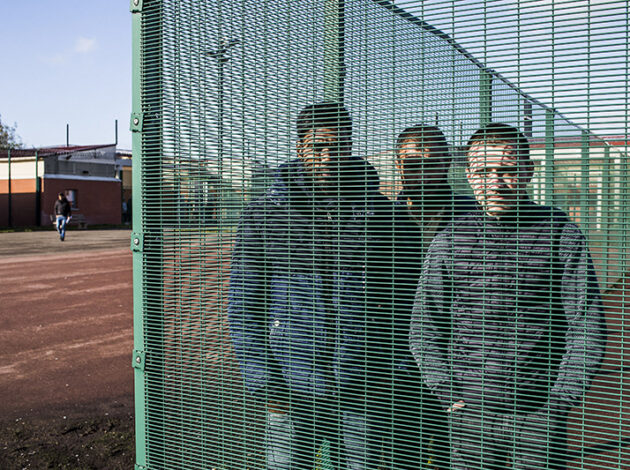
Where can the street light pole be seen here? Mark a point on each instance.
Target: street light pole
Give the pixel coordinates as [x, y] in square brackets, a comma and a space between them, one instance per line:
[221, 56]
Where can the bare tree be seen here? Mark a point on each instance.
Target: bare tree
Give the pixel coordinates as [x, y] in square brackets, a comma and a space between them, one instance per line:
[8, 137]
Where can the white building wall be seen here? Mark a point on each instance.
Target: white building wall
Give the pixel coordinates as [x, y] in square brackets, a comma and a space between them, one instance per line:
[23, 168]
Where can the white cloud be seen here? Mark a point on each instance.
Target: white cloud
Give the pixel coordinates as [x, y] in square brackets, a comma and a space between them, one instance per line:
[84, 45]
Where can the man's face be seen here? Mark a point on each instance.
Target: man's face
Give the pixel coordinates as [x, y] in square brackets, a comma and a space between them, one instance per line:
[497, 176]
[421, 168]
[320, 151]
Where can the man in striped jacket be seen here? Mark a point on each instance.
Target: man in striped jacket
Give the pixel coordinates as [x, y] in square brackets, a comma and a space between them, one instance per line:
[508, 326]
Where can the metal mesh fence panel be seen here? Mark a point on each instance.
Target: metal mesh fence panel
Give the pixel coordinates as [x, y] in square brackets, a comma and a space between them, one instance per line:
[380, 235]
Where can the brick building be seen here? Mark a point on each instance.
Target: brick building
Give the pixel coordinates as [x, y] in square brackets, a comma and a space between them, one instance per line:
[91, 176]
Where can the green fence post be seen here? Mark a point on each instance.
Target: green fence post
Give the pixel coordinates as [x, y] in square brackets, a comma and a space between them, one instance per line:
[10, 202]
[139, 355]
[334, 66]
[549, 190]
[485, 96]
[624, 224]
[605, 213]
[151, 223]
[38, 192]
[585, 182]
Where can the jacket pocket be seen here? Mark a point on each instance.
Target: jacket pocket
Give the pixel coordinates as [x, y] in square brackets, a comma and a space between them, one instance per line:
[277, 327]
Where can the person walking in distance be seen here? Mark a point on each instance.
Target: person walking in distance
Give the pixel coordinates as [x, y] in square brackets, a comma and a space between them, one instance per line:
[63, 213]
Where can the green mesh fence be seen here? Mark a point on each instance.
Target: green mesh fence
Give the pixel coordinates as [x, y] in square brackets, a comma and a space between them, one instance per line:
[360, 284]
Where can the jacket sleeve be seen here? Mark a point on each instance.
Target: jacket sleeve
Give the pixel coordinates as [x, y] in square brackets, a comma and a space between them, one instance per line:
[247, 303]
[406, 274]
[585, 330]
[430, 333]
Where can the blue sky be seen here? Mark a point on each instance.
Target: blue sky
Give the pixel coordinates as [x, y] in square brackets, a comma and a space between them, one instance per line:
[69, 61]
[568, 54]
[66, 61]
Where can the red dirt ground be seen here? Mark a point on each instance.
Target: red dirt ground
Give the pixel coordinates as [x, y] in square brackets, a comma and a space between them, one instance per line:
[66, 382]
[66, 338]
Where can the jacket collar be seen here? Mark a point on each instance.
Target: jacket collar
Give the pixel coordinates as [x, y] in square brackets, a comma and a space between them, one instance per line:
[359, 183]
[526, 213]
[446, 194]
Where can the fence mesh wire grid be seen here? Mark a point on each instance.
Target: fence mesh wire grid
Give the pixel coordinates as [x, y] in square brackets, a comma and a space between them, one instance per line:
[376, 234]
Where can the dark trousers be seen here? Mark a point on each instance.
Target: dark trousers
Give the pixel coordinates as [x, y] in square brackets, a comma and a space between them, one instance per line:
[488, 441]
[294, 439]
[420, 428]
[382, 434]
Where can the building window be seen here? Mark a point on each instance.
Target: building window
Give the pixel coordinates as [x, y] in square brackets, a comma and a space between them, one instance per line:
[72, 197]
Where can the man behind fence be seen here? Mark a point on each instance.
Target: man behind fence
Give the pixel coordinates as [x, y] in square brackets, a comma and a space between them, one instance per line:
[423, 160]
[311, 304]
[508, 327]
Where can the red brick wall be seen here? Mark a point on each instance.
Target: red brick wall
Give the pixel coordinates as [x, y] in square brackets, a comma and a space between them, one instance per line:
[99, 201]
[22, 202]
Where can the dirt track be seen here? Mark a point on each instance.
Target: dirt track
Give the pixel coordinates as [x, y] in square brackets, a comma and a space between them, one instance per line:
[65, 342]
[66, 338]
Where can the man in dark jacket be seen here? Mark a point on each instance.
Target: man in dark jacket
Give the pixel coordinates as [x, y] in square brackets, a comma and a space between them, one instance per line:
[423, 160]
[63, 212]
[508, 327]
[312, 303]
